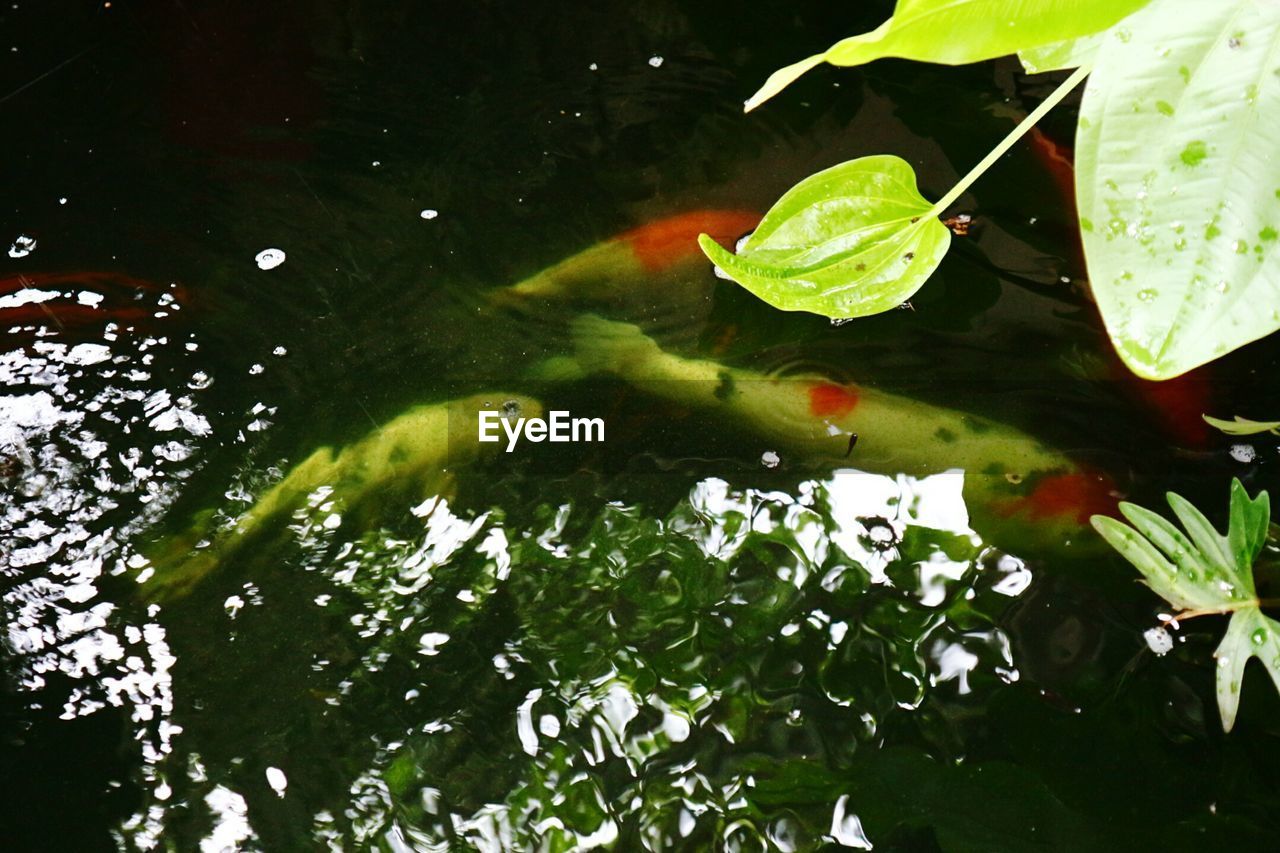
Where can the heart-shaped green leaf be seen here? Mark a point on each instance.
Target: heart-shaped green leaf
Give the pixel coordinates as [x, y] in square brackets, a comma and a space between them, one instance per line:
[1178, 185]
[853, 240]
[956, 32]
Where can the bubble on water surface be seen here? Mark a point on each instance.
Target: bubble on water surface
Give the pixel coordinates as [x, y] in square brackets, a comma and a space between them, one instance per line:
[277, 780]
[431, 642]
[22, 246]
[1158, 640]
[429, 213]
[1243, 453]
[655, 61]
[269, 259]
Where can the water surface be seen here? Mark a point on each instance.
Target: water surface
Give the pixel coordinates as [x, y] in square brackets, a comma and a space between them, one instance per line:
[656, 642]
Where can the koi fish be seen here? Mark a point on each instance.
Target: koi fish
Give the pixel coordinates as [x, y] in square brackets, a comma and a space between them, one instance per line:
[1057, 160]
[1012, 482]
[74, 302]
[657, 264]
[411, 457]
[1180, 401]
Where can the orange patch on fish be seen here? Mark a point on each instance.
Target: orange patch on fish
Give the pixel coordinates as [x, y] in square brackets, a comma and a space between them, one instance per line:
[1073, 496]
[1057, 161]
[67, 301]
[662, 244]
[1181, 401]
[830, 400]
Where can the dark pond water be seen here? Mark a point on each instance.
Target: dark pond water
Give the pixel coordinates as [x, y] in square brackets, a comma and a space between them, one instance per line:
[706, 632]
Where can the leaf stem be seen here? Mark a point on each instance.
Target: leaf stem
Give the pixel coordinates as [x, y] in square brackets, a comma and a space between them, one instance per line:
[1005, 144]
[1221, 611]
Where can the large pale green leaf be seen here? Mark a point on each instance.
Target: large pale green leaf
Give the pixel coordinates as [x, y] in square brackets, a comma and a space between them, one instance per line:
[1204, 572]
[1178, 181]
[955, 32]
[852, 240]
[1058, 56]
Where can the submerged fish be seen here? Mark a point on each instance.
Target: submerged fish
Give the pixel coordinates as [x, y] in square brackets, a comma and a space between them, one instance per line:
[1178, 402]
[404, 462]
[654, 274]
[33, 304]
[1013, 483]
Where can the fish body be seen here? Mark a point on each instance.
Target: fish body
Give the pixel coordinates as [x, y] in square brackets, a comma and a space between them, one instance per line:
[654, 274]
[1012, 481]
[410, 458]
[71, 303]
[1179, 401]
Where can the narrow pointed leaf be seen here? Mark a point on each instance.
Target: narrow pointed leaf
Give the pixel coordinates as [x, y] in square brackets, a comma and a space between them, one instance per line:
[1158, 572]
[1242, 426]
[1168, 538]
[1247, 530]
[779, 80]
[1249, 634]
[1212, 545]
[853, 240]
[1178, 184]
[956, 32]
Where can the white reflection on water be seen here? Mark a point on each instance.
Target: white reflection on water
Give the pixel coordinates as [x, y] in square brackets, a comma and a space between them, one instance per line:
[92, 452]
[578, 728]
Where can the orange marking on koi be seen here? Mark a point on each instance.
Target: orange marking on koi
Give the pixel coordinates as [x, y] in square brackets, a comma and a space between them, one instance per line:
[63, 300]
[662, 244]
[1075, 496]
[1057, 161]
[830, 400]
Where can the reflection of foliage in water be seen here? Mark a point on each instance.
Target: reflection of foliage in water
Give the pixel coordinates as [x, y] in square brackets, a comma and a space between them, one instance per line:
[597, 673]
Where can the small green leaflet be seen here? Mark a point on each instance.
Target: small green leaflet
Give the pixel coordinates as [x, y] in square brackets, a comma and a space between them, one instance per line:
[853, 240]
[1203, 572]
[1178, 185]
[1243, 426]
[956, 32]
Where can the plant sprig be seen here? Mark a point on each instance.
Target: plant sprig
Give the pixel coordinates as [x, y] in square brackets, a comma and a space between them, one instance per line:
[1201, 572]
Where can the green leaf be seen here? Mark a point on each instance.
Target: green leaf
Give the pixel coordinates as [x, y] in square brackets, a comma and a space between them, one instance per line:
[1209, 573]
[1243, 426]
[956, 32]
[1249, 634]
[1178, 193]
[852, 240]
[1184, 590]
[1247, 528]
[1072, 53]
[1187, 560]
